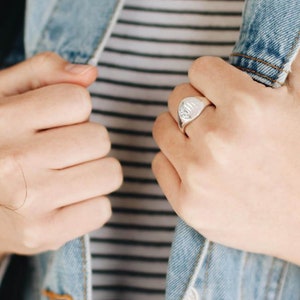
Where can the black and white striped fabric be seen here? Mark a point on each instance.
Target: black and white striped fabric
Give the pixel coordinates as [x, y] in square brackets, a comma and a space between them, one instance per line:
[149, 52]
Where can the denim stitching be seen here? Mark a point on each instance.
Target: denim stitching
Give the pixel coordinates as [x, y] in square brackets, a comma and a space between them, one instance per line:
[259, 74]
[208, 262]
[244, 262]
[83, 255]
[269, 279]
[293, 47]
[282, 277]
[94, 57]
[199, 263]
[289, 58]
[259, 60]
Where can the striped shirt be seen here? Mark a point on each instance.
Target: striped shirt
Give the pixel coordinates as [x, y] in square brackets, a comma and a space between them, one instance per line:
[149, 52]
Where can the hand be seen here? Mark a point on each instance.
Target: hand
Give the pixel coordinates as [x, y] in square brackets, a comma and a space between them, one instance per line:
[53, 171]
[235, 176]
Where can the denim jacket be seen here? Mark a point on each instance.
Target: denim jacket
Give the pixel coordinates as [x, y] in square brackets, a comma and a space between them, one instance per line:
[198, 269]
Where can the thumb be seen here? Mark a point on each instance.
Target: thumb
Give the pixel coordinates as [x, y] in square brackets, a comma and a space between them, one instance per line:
[293, 80]
[41, 70]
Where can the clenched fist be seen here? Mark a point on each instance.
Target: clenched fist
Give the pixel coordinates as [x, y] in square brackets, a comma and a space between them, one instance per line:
[54, 173]
[235, 175]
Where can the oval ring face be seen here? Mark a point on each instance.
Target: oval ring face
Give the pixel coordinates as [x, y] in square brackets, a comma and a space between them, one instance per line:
[189, 109]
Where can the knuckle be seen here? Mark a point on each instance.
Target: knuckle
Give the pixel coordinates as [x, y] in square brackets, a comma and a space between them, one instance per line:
[159, 127]
[105, 134]
[159, 124]
[80, 100]
[102, 136]
[83, 98]
[179, 89]
[202, 65]
[116, 170]
[156, 162]
[103, 206]
[46, 56]
[106, 210]
[44, 62]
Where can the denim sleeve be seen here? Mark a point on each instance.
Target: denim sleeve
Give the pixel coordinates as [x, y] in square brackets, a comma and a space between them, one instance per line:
[198, 268]
[269, 40]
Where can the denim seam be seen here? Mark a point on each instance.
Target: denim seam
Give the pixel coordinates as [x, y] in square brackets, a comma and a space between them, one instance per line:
[268, 283]
[289, 58]
[244, 262]
[94, 58]
[295, 44]
[259, 60]
[199, 263]
[282, 280]
[258, 74]
[83, 255]
[207, 267]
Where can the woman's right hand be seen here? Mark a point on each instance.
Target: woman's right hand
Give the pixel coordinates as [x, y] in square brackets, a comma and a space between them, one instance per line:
[54, 173]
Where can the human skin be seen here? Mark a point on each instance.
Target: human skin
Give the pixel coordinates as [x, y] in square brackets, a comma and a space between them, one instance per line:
[234, 176]
[54, 169]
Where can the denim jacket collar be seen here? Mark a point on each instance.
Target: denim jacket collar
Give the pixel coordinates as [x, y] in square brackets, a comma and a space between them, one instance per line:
[77, 30]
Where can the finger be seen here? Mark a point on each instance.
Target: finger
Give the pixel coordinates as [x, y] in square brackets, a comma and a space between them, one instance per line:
[220, 82]
[167, 177]
[67, 146]
[41, 70]
[76, 220]
[86, 181]
[47, 107]
[170, 140]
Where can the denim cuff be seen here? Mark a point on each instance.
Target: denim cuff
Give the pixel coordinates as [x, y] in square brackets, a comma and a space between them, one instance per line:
[269, 40]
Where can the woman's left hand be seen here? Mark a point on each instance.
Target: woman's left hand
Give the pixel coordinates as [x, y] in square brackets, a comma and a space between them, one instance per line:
[235, 175]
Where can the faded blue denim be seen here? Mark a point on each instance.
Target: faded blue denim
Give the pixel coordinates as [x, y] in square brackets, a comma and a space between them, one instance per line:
[269, 41]
[267, 46]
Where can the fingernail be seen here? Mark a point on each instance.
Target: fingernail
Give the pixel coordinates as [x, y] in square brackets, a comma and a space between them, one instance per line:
[78, 68]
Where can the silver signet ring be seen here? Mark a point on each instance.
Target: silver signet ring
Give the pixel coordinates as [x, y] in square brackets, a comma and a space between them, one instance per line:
[189, 109]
